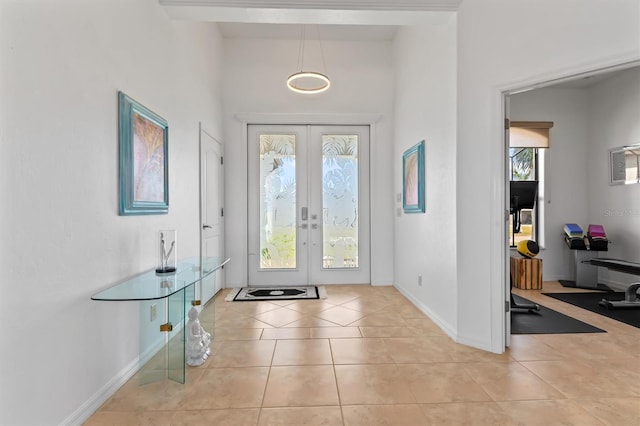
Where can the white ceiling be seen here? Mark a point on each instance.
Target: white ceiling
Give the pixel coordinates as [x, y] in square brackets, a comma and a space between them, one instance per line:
[355, 20]
[348, 20]
[293, 31]
[410, 5]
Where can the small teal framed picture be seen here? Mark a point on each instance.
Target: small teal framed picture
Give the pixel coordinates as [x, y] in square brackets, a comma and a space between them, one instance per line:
[413, 185]
[144, 159]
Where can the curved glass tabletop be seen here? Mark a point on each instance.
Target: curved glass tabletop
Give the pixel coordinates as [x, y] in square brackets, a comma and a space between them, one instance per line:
[150, 286]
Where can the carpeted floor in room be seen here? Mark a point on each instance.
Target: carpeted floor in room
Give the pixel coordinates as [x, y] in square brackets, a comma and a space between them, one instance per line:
[367, 356]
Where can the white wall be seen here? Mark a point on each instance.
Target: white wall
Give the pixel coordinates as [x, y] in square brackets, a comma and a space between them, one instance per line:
[614, 120]
[566, 171]
[254, 75]
[424, 109]
[62, 239]
[504, 44]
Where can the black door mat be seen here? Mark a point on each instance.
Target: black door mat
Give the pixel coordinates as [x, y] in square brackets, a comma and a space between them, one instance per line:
[589, 301]
[572, 284]
[546, 321]
[247, 294]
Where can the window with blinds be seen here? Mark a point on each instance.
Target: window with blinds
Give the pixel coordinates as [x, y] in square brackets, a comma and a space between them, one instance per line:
[527, 141]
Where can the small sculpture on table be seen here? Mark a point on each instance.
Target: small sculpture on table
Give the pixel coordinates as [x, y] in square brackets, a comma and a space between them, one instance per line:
[166, 256]
[198, 340]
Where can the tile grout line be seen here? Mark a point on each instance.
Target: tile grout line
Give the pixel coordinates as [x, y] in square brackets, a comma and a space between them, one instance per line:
[266, 383]
[335, 377]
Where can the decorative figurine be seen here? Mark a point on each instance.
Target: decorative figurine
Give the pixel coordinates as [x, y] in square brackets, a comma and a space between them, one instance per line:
[166, 262]
[198, 340]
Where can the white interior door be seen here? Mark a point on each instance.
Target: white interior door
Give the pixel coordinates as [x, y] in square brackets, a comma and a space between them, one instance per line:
[507, 251]
[211, 209]
[308, 205]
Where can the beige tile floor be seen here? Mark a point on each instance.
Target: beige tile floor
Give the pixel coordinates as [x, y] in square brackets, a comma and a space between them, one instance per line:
[367, 356]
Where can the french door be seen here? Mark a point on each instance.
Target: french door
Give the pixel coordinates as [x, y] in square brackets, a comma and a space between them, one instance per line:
[308, 205]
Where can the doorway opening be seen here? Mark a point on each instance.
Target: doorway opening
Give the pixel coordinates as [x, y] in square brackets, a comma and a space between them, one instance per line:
[308, 199]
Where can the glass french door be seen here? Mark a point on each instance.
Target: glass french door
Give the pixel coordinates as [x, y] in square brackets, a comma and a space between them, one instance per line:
[308, 205]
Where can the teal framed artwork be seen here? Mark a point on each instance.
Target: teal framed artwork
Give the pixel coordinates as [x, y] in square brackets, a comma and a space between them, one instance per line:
[413, 185]
[144, 159]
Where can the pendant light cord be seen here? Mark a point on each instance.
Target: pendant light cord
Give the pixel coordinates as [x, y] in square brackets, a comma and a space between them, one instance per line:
[324, 64]
[301, 74]
[303, 34]
[301, 48]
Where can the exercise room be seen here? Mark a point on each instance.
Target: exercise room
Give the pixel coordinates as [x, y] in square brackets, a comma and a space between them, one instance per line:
[586, 219]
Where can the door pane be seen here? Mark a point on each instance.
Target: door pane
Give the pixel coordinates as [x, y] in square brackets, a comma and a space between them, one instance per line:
[277, 201]
[339, 201]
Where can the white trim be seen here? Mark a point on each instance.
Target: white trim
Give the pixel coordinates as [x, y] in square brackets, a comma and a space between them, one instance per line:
[616, 285]
[219, 276]
[444, 325]
[232, 294]
[473, 342]
[322, 292]
[581, 71]
[497, 237]
[91, 405]
[307, 118]
[556, 277]
[381, 284]
[244, 213]
[382, 5]
[337, 12]
[257, 118]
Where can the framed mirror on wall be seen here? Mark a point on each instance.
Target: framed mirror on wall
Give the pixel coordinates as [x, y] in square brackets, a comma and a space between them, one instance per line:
[624, 165]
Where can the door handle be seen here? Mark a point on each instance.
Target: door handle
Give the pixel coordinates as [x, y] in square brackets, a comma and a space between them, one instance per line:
[207, 226]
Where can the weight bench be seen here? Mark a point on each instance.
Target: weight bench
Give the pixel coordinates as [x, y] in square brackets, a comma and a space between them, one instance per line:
[630, 297]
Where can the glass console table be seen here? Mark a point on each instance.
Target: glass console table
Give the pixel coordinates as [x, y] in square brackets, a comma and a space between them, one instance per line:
[180, 290]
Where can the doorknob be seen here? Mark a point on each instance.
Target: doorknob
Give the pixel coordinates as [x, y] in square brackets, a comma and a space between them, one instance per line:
[207, 226]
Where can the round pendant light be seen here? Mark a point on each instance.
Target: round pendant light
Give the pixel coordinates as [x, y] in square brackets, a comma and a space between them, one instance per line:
[308, 82]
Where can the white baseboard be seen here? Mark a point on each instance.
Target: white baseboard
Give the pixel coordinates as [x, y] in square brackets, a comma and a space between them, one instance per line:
[86, 410]
[554, 278]
[89, 407]
[232, 294]
[82, 413]
[444, 326]
[475, 343]
[616, 285]
[322, 292]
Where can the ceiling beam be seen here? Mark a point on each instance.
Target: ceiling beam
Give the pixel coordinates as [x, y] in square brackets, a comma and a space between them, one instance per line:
[348, 12]
[380, 5]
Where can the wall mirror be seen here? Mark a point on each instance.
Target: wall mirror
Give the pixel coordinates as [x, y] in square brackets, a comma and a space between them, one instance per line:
[624, 164]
